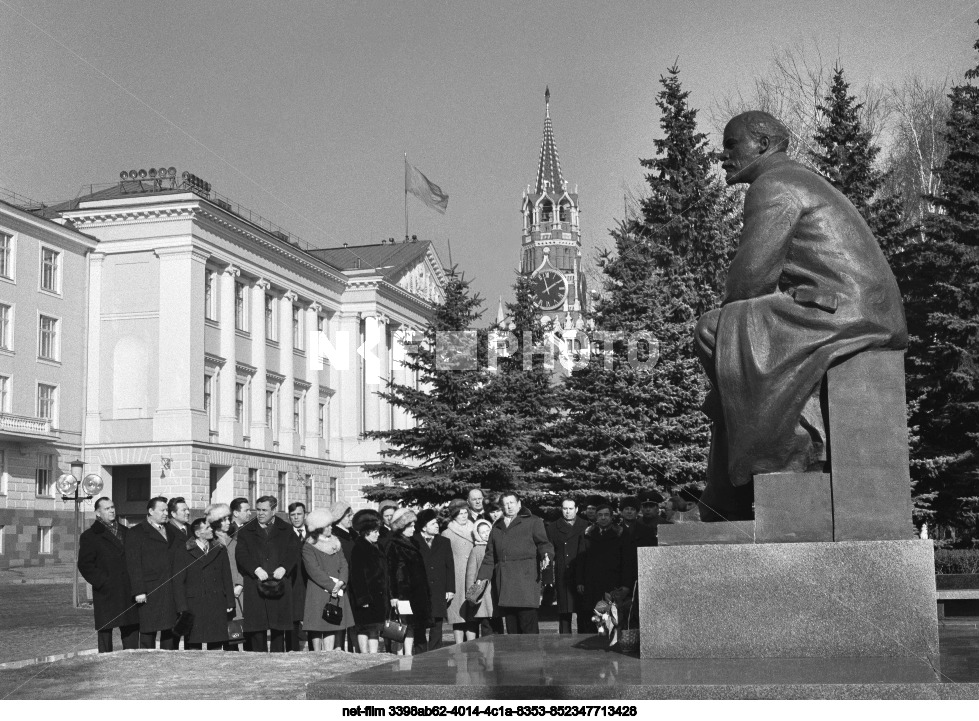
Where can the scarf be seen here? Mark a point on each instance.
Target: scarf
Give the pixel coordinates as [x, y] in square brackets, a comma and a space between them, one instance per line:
[327, 544]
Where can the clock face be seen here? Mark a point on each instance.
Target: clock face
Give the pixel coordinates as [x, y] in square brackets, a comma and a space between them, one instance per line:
[550, 289]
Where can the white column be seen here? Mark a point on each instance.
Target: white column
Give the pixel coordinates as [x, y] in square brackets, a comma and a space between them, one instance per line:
[313, 442]
[373, 330]
[95, 363]
[261, 436]
[180, 400]
[346, 405]
[399, 373]
[228, 375]
[287, 434]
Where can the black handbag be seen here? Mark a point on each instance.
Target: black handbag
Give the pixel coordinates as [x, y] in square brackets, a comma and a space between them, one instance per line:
[394, 630]
[236, 632]
[183, 624]
[271, 588]
[332, 613]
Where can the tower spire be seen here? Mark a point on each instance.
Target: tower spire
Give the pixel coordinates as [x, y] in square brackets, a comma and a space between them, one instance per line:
[549, 177]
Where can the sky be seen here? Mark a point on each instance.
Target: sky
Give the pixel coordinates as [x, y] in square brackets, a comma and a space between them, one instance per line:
[302, 111]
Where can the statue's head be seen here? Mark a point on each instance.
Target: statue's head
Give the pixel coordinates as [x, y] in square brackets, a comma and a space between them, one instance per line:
[749, 139]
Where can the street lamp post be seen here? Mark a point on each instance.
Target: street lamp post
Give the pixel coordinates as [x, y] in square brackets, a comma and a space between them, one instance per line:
[71, 483]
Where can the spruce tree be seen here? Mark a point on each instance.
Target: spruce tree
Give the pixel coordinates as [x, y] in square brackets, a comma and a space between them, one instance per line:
[942, 308]
[626, 429]
[445, 452]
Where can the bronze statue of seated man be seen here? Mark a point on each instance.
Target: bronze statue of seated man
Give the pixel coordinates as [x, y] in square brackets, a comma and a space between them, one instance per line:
[808, 286]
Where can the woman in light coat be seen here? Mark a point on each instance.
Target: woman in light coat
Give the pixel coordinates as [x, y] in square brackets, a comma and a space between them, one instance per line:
[482, 612]
[326, 569]
[459, 531]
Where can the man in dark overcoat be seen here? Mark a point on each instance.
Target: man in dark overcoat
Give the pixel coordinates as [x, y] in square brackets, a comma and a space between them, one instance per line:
[149, 562]
[607, 561]
[566, 534]
[807, 287]
[267, 553]
[517, 553]
[646, 531]
[202, 586]
[436, 553]
[297, 640]
[102, 563]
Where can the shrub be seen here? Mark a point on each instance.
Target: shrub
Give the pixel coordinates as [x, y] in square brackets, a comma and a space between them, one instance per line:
[956, 561]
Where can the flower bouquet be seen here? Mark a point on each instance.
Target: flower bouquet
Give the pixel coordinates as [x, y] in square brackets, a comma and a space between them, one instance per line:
[615, 618]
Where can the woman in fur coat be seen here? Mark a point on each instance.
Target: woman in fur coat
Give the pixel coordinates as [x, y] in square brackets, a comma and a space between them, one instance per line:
[407, 578]
[369, 591]
[482, 612]
[459, 531]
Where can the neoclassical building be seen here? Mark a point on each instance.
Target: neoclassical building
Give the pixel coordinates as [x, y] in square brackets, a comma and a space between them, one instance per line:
[226, 357]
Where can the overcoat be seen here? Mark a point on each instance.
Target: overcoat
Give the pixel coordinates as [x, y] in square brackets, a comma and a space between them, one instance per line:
[512, 560]
[568, 540]
[149, 560]
[236, 579]
[202, 585]
[370, 595]
[299, 579]
[407, 578]
[268, 549]
[808, 286]
[439, 570]
[460, 538]
[483, 609]
[321, 569]
[102, 563]
[607, 561]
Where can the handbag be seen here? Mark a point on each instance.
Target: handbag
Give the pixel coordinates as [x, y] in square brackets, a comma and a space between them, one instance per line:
[475, 592]
[332, 613]
[394, 630]
[183, 624]
[236, 632]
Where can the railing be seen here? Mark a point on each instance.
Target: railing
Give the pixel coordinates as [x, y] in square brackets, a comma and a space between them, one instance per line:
[25, 424]
[20, 201]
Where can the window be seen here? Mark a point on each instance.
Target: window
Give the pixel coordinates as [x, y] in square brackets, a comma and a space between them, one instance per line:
[252, 485]
[309, 493]
[44, 539]
[332, 490]
[269, 317]
[208, 381]
[283, 501]
[269, 408]
[320, 324]
[44, 476]
[322, 420]
[50, 270]
[6, 325]
[297, 414]
[297, 328]
[47, 338]
[209, 300]
[46, 401]
[241, 319]
[240, 402]
[4, 394]
[3, 472]
[2, 534]
[6, 256]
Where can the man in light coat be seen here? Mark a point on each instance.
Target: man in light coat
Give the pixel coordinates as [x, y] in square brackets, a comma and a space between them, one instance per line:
[516, 554]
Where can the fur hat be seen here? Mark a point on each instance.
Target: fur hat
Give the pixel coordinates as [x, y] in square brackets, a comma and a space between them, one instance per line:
[386, 503]
[339, 509]
[403, 518]
[318, 520]
[424, 516]
[629, 502]
[362, 514]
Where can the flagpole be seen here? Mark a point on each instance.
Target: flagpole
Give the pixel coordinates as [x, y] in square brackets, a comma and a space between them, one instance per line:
[406, 195]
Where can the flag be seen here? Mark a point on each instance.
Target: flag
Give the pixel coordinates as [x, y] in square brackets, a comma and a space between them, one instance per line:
[424, 189]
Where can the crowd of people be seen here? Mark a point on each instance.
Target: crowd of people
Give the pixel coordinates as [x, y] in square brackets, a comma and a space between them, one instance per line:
[331, 578]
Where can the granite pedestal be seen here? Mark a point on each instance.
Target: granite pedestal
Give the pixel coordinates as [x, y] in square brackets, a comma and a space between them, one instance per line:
[789, 600]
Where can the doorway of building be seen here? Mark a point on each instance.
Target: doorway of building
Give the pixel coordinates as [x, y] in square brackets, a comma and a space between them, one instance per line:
[222, 484]
[131, 489]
